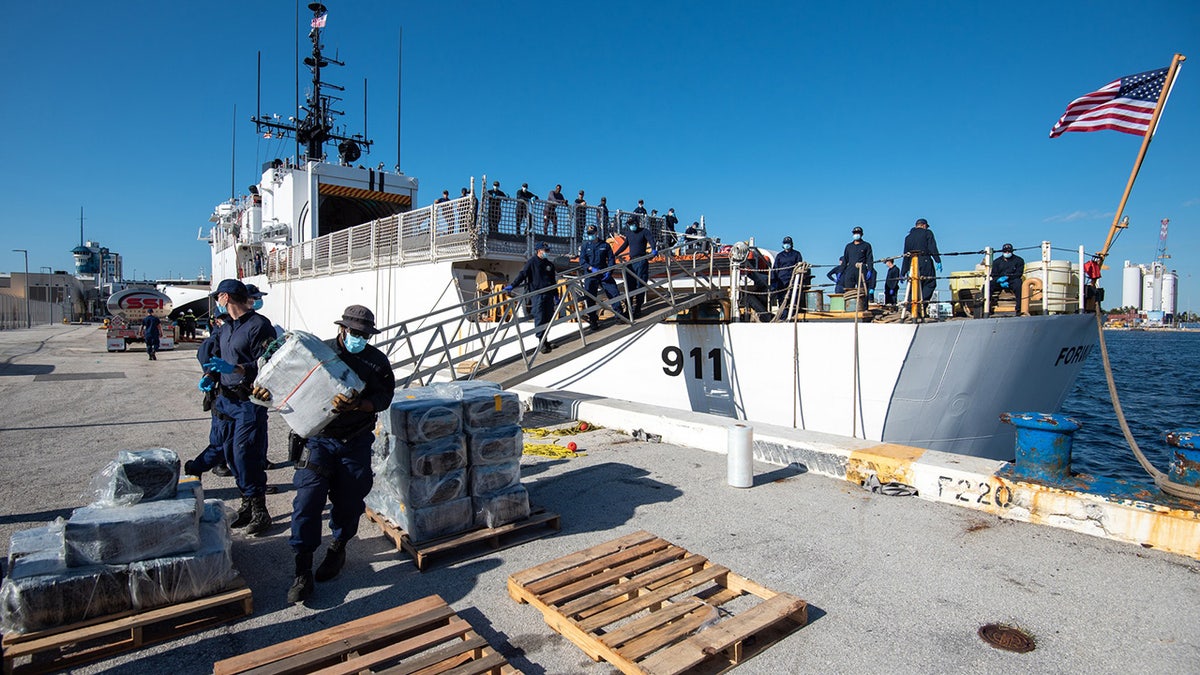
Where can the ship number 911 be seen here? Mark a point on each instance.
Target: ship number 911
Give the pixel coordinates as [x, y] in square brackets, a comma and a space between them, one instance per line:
[674, 362]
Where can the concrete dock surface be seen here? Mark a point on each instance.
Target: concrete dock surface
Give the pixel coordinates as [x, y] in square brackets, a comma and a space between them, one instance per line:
[894, 584]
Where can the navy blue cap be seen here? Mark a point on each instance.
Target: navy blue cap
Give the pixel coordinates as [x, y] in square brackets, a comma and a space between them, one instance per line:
[253, 292]
[231, 286]
[1007, 248]
[786, 240]
[543, 246]
[856, 230]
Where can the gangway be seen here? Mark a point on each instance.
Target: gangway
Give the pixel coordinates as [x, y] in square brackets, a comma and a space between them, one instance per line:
[488, 336]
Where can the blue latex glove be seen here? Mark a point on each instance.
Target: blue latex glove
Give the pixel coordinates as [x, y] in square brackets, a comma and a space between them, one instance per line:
[938, 267]
[1004, 284]
[508, 288]
[216, 365]
[870, 274]
[654, 252]
[606, 277]
[206, 383]
[592, 269]
[1003, 280]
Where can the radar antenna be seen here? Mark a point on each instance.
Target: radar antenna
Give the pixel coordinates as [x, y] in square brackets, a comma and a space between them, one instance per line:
[317, 127]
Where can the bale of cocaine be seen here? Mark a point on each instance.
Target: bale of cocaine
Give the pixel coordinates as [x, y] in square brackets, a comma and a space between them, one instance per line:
[496, 445]
[97, 535]
[419, 416]
[50, 600]
[37, 551]
[505, 506]
[137, 476]
[164, 581]
[303, 375]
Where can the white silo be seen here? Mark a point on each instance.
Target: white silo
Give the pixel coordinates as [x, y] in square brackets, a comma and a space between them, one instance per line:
[1131, 286]
[1170, 292]
[1147, 291]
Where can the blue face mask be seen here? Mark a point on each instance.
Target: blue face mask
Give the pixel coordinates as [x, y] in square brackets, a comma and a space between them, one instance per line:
[633, 227]
[857, 237]
[257, 304]
[787, 247]
[221, 309]
[1007, 254]
[354, 344]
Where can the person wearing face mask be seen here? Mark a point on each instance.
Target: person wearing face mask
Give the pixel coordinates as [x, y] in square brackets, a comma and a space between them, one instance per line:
[891, 284]
[781, 272]
[595, 255]
[921, 243]
[858, 259]
[538, 276]
[1007, 270]
[335, 464]
[524, 219]
[213, 457]
[639, 242]
[550, 213]
[495, 195]
[239, 344]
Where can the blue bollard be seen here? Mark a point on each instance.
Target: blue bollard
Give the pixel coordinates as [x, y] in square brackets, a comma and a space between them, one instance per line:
[1185, 461]
[1043, 445]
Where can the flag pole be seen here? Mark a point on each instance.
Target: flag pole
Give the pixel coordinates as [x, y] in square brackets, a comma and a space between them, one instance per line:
[1162, 101]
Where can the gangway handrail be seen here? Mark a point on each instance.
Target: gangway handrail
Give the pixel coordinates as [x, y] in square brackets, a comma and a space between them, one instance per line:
[460, 325]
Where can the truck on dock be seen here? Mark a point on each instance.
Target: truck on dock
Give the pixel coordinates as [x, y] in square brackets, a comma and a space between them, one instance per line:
[128, 308]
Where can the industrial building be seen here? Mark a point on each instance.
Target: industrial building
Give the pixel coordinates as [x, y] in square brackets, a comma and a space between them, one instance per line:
[1152, 290]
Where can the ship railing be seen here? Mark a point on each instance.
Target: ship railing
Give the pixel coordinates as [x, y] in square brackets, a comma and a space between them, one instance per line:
[460, 340]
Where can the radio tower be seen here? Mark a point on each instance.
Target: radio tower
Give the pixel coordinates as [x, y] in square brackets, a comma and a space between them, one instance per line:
[1161, 254]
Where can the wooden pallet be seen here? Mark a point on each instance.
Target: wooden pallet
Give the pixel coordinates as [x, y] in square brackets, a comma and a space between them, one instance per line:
[424, 636]
[646, 605]
[539, 523]
[59, 648]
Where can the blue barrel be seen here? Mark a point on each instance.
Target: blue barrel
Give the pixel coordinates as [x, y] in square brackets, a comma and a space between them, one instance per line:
[1185, 459]
[1043, 445]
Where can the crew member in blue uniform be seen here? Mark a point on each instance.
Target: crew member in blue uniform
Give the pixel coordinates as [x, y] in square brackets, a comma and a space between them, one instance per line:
[524, 218]
[920, 243]
[857, 253]
[891, 285]
[1007, 270]
[836, 275]
[781, 273]
[494, 203]
[638, 241]
[214, 456]
[538, 275]
[596, 255]
[239, 345]
[335, 464]
[151, 332]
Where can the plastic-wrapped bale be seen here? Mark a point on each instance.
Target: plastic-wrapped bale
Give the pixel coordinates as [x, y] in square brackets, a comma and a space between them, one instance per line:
[495, 446]
[422, 491]
[122, 534]
[490, 478]
[503, 507]
[303, 375]
[459, 388]
[37, 551]
[426, 459]
[438, 520]
[137, 476]
[486, 408]
[164, 581]
[418, 416]
[52, 600]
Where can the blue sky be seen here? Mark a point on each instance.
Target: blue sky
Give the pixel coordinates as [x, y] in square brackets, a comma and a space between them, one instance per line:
[769, 118]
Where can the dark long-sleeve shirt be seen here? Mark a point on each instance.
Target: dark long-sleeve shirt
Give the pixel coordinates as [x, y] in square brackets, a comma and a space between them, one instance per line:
[240, 342]
[859, 252]
[781, 271]
[1013, 267]
[892, 282]
[921, 240]
[379, 386]
[598, 254]
[638, 243]
[537, 274]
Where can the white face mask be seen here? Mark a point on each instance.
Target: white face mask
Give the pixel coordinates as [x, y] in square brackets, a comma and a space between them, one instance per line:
[787, 247]
[857, 237]
[1007, 254]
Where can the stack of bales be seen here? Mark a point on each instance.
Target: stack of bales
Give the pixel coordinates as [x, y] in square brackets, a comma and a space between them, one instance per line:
[447, 459]
[148, 540]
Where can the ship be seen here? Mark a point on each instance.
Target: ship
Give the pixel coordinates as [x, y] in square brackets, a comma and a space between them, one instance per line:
[319, 231]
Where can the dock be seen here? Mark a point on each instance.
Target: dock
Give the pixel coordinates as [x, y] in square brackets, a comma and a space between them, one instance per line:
[892, 583]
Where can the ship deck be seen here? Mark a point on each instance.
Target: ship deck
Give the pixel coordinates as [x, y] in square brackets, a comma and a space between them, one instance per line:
[894, 584]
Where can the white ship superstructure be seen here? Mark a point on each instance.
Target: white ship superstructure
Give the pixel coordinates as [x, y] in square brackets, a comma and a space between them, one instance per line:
[319, 235]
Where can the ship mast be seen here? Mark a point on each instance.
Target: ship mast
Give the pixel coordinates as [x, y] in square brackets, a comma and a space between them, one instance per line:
[317, 128]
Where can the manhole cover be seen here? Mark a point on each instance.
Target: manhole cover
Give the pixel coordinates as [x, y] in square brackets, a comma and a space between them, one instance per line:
[1008, 638]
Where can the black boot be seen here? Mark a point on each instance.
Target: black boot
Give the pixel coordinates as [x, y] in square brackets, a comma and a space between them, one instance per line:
[243, 514]
[335, 557]
[260, 520]
[190, 469]
[302, 585]
[222, 471]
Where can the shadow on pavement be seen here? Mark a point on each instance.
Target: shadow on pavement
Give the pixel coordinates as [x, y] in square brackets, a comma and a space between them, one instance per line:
[19, 369]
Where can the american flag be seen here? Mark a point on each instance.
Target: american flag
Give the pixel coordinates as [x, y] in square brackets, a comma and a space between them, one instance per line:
[1124, 105]
[319, 20]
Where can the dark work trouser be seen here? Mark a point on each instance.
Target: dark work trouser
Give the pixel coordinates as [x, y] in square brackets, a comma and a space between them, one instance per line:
[247, 444]
[593, 286]
[340, 472]
[218, 443]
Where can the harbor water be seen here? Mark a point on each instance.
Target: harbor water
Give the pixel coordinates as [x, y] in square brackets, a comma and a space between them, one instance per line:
[1156, 376]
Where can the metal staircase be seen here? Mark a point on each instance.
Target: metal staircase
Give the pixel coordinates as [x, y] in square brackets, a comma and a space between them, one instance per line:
[490, 338]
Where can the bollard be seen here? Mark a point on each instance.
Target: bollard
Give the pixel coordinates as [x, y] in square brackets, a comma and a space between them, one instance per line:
[741, 456]
[1185, 460]
[1043, 445]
